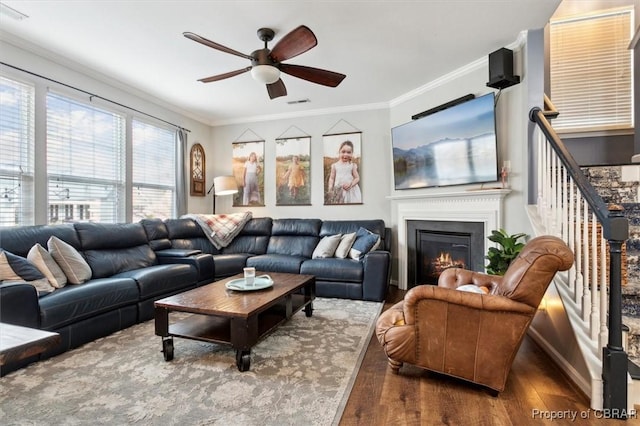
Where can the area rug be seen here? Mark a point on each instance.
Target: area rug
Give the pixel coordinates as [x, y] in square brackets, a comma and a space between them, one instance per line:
[301, 374]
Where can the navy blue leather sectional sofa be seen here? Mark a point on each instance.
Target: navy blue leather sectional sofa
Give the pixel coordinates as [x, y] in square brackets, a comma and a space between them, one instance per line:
[135, 264]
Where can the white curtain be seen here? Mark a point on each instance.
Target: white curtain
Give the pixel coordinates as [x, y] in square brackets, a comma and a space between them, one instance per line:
[181, 180]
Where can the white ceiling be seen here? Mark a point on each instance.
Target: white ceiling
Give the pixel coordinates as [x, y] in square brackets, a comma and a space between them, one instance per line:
[386, 48]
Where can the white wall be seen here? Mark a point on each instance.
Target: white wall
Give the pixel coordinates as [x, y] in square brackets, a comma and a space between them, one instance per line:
[374, 168]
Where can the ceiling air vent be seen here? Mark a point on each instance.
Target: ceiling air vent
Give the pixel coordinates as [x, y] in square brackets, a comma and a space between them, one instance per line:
[299, 101]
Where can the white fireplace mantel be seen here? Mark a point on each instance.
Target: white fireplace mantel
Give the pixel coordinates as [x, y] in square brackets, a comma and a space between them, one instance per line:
[484, 206]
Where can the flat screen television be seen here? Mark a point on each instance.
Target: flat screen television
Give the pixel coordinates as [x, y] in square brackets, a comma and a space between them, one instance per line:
[455, 146]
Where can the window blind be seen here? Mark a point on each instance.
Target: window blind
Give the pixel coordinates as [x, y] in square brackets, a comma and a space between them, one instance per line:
[591, 72]
[16, 153]
[154, 171]
[85, 162]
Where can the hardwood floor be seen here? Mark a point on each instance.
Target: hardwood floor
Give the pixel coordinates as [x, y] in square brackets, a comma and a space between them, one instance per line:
[535, 388]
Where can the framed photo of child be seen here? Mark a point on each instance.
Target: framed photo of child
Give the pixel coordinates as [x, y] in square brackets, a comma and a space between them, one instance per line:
[293, 159]
[342, 168]
[248, 169]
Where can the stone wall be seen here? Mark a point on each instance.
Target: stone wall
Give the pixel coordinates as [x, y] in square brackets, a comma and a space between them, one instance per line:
[621, 185]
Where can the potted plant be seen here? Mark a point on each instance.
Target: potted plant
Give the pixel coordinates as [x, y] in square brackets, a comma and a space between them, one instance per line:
[500, 257]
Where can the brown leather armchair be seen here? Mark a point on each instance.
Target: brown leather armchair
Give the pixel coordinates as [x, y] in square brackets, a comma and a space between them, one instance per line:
[472, 336]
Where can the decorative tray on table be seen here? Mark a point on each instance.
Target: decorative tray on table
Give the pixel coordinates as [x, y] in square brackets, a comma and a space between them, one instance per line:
[260, 282]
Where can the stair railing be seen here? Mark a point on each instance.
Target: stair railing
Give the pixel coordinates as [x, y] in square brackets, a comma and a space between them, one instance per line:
[570, 208]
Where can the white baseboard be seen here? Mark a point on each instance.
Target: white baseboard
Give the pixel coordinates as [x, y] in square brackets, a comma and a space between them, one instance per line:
[583, 383]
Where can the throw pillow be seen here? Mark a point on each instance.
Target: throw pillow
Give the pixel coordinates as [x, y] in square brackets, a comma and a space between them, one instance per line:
[16, 268]
[345, 245]
[365, 242]
[326, 247]
[69, 260]
[472, 288]
[45, 263]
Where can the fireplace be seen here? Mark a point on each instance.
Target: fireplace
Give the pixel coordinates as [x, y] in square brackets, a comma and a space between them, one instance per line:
[434, 246]
[484, 207]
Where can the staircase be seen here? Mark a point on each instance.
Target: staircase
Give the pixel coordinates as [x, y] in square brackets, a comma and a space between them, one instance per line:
[591, 292]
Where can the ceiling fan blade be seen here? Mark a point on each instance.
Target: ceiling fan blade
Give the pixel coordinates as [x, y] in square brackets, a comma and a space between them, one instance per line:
[225, 75]
[214, 45]
[276, 89]
[314, 75]
[294, 43]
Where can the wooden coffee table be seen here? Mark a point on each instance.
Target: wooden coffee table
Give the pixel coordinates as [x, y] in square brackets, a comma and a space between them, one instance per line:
[236, 318]
[17, 342]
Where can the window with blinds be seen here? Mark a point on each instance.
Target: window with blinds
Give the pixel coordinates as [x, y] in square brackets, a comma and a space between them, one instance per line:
[591, 72]
[16, 153]
[85, 162]
[154, 171]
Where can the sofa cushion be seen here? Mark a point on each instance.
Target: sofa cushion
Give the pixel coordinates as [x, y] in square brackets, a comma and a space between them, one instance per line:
[157, 233]
[15, 268]
[276, 263]
[334, 269]
[72, 304]
[298, 227]
[331, 227]
[45, 263]
[254, 237]
[343, 249]
[162, 279]
[187, 234]
[70, 261]
[229, 264]
[19, 239]
[298, 246]
[295, 237]
[100, 236]
[364, 243]
[106, 263]
[112, 248]
[326, 247]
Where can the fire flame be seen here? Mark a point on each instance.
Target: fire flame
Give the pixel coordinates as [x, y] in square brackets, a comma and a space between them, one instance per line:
[445, 261]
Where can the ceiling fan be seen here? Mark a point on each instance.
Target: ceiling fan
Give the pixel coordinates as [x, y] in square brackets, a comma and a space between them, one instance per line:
[266, 64]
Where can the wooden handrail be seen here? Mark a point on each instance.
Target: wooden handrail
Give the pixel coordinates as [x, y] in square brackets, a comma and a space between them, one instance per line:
[614, 226]
[615, 229]
[550, 110]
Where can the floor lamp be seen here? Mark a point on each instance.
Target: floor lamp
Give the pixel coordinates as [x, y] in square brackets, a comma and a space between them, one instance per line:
[222, 185]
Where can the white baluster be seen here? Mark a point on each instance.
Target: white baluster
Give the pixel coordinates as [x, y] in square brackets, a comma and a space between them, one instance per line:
[553, 194]
[547, 172]
[559, 192]
[594, 326]
[586, 296]
[578, 253]
[571, 238]
[540, 177]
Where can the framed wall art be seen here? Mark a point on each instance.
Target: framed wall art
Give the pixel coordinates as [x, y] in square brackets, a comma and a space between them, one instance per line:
[248, 169]
[196, 171]
[342, 168]
[293, 160]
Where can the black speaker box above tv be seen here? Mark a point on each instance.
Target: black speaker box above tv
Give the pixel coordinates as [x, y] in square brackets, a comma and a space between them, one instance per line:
[501, 69]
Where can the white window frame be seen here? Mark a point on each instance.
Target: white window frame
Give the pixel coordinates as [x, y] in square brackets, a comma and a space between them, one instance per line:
[17, 195]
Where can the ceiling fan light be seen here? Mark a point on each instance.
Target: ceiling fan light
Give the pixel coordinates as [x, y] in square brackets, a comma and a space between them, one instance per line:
[265, 74]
